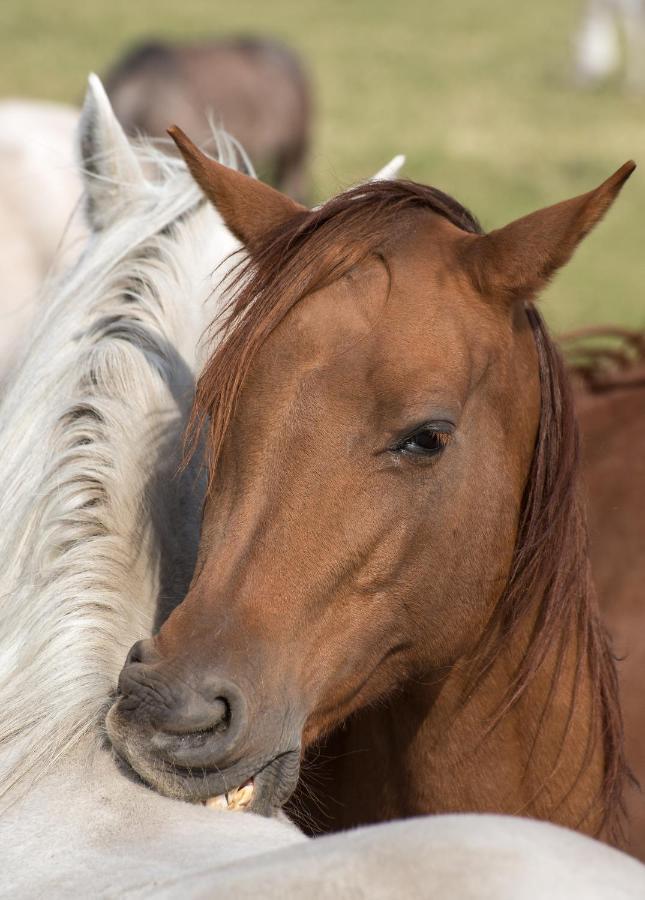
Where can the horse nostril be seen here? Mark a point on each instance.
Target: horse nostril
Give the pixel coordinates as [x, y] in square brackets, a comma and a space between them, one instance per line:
[222, 715]
[134, 654]
[141, 652]
[198, 716]
[185, 718]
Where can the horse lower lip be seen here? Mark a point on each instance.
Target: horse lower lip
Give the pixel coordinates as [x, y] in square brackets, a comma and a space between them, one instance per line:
[240, 798]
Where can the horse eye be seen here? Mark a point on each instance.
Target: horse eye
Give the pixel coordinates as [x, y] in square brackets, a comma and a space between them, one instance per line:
[426, 441]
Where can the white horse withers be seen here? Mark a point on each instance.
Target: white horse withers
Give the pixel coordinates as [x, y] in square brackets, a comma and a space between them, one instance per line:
[99, 535]
[40, 188]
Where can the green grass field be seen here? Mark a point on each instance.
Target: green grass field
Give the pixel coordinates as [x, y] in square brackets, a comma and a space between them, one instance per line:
[477, 93]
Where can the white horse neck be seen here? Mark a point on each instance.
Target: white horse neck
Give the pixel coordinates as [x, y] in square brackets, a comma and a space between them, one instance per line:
[97, 530]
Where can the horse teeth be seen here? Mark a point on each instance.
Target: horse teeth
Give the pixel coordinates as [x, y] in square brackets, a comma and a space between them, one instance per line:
[239, 798]
[219, 802]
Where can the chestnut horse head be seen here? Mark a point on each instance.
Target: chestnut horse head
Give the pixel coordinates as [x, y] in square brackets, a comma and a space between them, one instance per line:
[371, 416]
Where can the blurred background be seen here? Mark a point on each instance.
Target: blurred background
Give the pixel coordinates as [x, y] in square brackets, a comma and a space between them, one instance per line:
[487, 100]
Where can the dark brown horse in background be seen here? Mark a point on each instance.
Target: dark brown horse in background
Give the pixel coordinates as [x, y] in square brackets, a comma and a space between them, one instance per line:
[256, 88]
[393, 560]
[609, 368]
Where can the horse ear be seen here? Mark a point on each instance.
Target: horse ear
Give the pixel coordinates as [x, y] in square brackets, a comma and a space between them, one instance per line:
[248, 207]
[391, 170]
[110, 166]
[516, 261]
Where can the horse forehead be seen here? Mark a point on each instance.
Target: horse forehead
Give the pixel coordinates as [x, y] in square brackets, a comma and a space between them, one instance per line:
[337, 316]
[408, 316]
[384, 301]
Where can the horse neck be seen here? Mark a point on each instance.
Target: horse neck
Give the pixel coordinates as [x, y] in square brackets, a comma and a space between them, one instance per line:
[104, 535]
[428, 751]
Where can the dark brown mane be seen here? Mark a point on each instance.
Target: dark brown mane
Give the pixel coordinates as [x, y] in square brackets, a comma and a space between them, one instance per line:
[603, 358]
[551, 565]
[550, 571]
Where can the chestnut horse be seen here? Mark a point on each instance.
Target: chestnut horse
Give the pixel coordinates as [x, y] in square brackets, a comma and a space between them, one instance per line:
[393, 552]
[609, 367]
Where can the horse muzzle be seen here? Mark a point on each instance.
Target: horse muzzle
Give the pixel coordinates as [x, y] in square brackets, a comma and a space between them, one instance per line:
[193, 738]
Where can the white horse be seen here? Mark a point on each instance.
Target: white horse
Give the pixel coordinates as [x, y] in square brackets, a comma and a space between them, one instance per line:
[39, 190]
[611, 39]
[98, 540]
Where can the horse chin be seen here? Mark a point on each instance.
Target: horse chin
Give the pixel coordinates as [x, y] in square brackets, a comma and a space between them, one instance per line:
[261, 785]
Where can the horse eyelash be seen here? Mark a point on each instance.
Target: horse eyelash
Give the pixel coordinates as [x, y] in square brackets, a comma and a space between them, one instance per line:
[443, 437]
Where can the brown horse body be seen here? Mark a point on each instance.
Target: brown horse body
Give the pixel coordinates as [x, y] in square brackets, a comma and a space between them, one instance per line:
[392, 551]
[256, 88]
[611, 409]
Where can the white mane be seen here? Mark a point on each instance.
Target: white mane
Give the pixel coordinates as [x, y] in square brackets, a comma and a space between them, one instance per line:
[96, 527]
